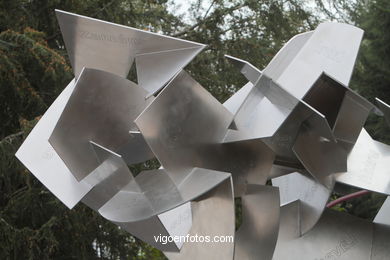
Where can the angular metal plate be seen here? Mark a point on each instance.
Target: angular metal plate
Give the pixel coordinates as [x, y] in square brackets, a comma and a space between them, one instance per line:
[101, 109]
[97, 44]
[40, 158]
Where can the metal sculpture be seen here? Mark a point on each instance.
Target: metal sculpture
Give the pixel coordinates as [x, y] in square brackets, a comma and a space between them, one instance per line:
[295, 122]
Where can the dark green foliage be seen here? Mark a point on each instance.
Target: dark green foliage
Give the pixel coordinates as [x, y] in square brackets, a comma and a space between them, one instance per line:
[371, 79]
[251, 30]
[366, 206]
[35, 225]
[31, 75]
[372, 75]
[34, 69]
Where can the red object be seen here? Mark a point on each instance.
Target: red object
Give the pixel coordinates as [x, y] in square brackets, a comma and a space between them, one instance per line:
[347, 197]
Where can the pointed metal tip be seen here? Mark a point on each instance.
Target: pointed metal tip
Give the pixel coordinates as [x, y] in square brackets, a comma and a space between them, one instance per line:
[379, 111]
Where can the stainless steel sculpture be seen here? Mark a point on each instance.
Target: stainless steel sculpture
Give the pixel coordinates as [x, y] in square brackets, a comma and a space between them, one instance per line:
[295, 122]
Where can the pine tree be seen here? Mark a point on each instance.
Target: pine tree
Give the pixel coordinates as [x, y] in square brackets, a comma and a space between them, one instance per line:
[372, 76]
[33, 223]
[34, 69]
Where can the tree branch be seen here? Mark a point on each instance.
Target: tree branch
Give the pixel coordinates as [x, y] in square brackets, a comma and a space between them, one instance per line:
[52, 37]
[9, 138]
[205, 19]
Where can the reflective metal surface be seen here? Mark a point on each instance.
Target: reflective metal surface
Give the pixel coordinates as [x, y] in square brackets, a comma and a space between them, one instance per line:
[312, 197]
[331, 48]
[235, 101]
[381, 243]
[97, 44]
[135, 203]
[183, 117]
[290, 223]
[257, 235]
[319, 156]
[336, 236]
[213, 215]
[248, 70]
[296, 123]
[368, 165]
[91, 115]
[153, 192]
[136, 206]
[383, 216]
[176, 221]
[385, 109]
[298, 66]
[350, 120]
[40, 158]
[107, 179]
[184, 126]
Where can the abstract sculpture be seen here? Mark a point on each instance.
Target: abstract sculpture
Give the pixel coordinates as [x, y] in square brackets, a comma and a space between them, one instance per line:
[296, 122]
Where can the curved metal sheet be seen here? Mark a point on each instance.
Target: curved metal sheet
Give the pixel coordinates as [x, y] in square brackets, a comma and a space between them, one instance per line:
[301, 63]
[289, 224]
[175, 222]
[314, 124]
[381, 243]
[367, 165]
[40, 158]
[321, 158]
[157, 193]
[184, 117]
[91, 115]
[184, 126]
[150, 204]
[213, 215]
[256, 237]
[312, 195]
[337, 235]
[300, 135]
[286, 55]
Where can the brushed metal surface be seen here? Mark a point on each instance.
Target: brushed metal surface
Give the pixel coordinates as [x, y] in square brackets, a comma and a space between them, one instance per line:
[184, 127]
[101, 109]
[337, 235]
[102, 45]
[296, 122]
[250, 72]
[312, 196]
[43, 162]
[367, 165]
[213, 215]
[383, 216]
[256, 237]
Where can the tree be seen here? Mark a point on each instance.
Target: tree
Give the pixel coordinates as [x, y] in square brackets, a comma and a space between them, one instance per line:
[371, 77]
[32, 75]
[34, 67]
[251, 30]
